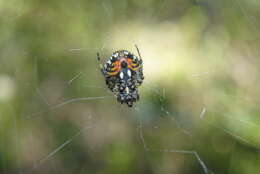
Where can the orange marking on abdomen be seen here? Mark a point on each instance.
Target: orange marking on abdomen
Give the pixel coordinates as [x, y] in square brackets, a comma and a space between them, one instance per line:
[116, 69]
[113, 73]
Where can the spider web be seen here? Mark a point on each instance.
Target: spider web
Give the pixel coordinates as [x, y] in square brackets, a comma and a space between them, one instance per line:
[150, 124]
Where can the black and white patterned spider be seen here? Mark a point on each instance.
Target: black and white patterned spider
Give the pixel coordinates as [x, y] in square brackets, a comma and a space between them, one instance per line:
[123, 72]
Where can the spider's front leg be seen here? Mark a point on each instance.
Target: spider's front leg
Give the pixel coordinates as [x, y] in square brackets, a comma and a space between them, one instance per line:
[102, 69]
[138, 51]
[99, 61]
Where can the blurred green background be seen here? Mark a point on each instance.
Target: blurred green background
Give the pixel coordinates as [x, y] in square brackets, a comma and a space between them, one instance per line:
[200, 94]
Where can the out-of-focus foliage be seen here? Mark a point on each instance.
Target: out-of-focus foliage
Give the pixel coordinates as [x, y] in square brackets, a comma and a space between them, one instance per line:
[201, 90]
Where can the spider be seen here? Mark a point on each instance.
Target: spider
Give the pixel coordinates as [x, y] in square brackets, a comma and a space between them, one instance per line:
[123, 72]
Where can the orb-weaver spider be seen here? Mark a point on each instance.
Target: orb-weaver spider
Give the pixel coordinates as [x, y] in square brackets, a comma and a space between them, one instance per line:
[123, 72]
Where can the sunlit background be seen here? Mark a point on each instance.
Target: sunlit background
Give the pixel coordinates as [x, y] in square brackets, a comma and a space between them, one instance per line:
[199, 106]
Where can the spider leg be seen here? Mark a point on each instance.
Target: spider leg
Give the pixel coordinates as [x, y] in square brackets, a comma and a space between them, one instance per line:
[98, 58]
[138, 51]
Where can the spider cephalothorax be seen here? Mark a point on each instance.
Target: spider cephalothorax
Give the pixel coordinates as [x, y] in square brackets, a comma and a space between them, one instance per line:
[123, 72]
